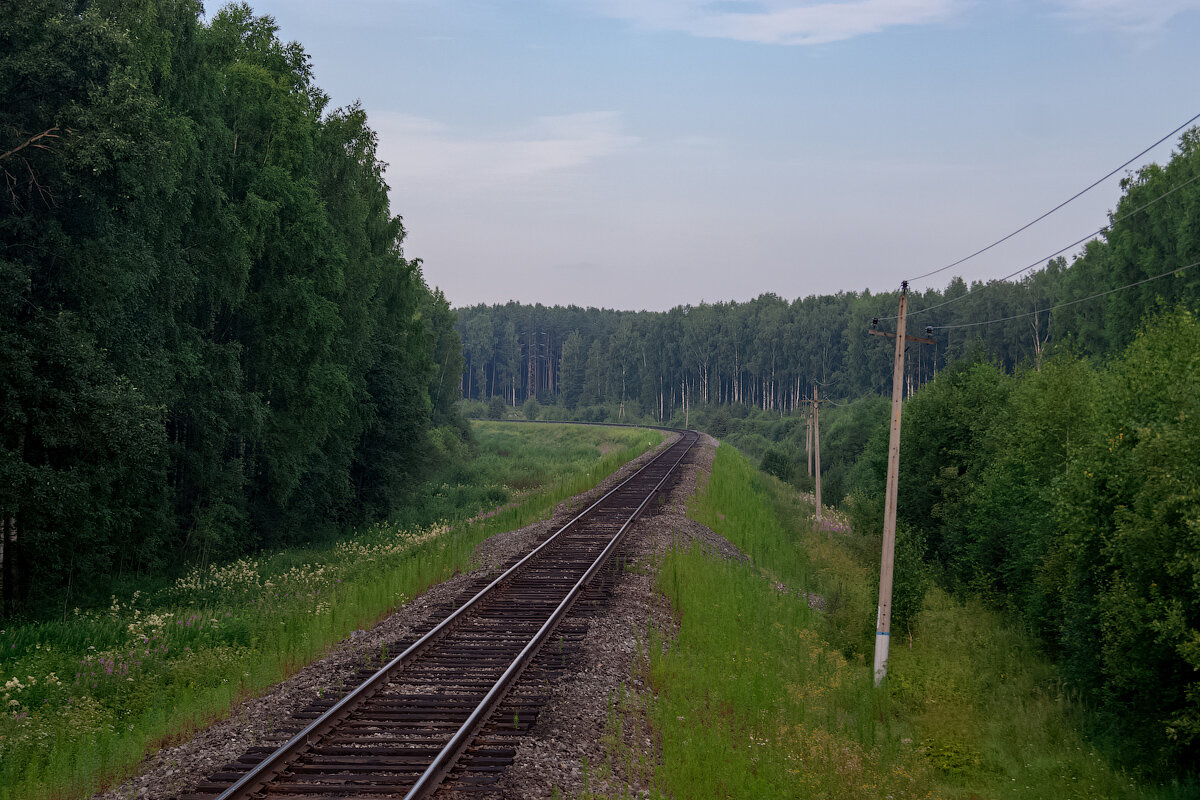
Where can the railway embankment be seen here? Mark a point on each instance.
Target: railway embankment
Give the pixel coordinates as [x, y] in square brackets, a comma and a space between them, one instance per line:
[755, 679]
[97, 690]
[181, 767]
[729, 658]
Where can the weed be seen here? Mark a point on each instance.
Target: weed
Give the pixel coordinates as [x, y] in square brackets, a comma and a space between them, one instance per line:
[760, 696]
[87, 696]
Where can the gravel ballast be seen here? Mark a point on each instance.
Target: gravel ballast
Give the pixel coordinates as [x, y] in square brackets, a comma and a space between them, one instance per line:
[570, 730]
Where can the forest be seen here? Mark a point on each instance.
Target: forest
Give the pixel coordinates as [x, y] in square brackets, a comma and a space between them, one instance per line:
[211, 341]
[767, 353]
[1048, 458]
[1069, 498]
[212, 344]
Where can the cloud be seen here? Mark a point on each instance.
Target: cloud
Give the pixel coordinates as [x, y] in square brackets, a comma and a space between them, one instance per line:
[792, 22]
[1136, 16]
[422, 150]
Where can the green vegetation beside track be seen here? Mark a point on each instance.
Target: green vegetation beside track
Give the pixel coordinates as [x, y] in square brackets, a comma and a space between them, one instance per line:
[89, 694]
[761, 696]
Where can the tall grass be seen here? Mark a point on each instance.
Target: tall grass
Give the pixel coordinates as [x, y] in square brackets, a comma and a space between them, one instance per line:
[88, 695]
[751, 700]
[759, 696]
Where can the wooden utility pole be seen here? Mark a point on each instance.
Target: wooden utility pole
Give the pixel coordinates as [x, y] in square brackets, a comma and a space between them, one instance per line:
[883, 623]
[808, 440]
[816, 417]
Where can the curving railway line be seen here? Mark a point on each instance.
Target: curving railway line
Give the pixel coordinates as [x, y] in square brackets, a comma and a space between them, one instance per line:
[444, 709]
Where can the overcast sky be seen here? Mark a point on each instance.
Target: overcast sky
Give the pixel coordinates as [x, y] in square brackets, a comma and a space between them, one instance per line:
[645, 153]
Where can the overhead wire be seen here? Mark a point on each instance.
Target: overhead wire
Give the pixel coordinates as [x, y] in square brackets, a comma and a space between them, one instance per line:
[1070, 199]
[1061, 250]
[1173, 271]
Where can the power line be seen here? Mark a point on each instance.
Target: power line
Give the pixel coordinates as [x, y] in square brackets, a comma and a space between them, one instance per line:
[1070, 302]
[1061, 250]
[1073, 197]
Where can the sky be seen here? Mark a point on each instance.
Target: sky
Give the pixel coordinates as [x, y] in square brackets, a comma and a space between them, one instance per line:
[641, 154]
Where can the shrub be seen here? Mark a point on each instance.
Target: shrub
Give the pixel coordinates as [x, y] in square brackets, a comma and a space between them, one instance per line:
[495, 409]
[719, 423]
[776, 462]
[910, 580]
[472, 409]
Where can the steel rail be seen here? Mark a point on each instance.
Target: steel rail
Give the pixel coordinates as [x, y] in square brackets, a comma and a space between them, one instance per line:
[270, 767]
[444, 761]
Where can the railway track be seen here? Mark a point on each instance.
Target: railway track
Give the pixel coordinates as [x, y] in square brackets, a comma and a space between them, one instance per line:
[444, 707]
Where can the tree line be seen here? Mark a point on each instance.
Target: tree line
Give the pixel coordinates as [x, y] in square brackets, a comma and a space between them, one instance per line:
[211, 340]
[1067, 495]
[767, 353]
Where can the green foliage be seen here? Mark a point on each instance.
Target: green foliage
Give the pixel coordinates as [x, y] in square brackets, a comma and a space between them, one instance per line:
[946, 443]
[472, 409]
[720, 423]
[109, 684]
[845, 434]
[776, 462]
[495, 408]
[732, 505]
[1052, 412]
[1067, 496]
[531, 409]
[752, 699]
[766, 354]
[571, 369]
[911, 580]
[211, 341]
[1127, 568]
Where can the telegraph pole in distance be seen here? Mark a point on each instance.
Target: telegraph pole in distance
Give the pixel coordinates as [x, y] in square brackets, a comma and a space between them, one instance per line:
[883, 624]
[816, 421]
[808, 440]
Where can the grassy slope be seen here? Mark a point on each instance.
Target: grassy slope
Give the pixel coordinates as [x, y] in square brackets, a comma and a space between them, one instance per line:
[87, 695]
[755, 700]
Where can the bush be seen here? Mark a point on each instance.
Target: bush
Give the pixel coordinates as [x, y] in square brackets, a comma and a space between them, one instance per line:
[495, 409]
[719, 423]
[532, 408]
[865, 512]
[449, 445]
[776, 462]
[910, 580]
[557, 413]
[1127, 558]
[845, 435]
[472, 409]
